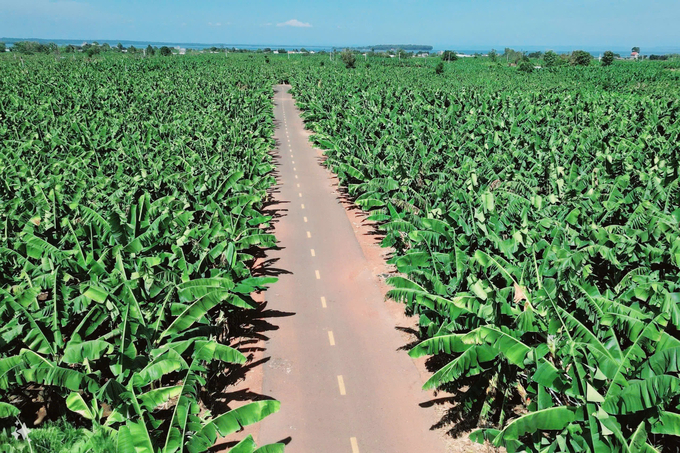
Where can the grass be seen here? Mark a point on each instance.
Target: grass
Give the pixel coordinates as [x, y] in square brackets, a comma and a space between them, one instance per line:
[58, 437]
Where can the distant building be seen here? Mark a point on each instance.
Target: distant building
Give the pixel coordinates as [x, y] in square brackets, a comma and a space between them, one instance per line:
[634, 55]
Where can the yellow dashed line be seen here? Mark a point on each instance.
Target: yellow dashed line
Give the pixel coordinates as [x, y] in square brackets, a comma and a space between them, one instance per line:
[309, 235]
[300, 193]
[323, 302]
[294, 169]
[331, 338]
[318, 276]
[296, 177]
[341, 384]
[293, 162]
[298, 185]
[355, 445]
[313, 252]
[303, 206]
[305, 219]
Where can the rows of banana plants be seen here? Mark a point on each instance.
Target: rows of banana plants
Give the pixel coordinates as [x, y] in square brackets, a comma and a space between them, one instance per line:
[536, 224]
[130, 206]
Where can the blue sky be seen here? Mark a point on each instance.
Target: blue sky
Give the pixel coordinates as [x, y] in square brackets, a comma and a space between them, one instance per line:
[456, 24]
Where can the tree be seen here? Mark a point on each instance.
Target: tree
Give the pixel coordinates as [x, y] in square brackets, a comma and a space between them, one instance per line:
[24, 47]
[525, 65]
[347, 57]
[120, 47]
[580, 58]
[149, 51]
[132, 49]
[449, 55]
[283, 51]
[93, 50]
[403, 54]
[166, 51]
[267, 50]
[550, 59]
[635, 49]
[536, 55]
[439, 69]
[493, 55]
[512, 56]
[608, 58]
[31, 47]
[3, 47]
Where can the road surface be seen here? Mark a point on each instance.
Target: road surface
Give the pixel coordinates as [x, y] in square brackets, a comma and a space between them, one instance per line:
[335, 365]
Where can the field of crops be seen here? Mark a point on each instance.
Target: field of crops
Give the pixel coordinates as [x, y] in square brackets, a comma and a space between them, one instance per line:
[535, 220]
[130, 204]
[536, 223]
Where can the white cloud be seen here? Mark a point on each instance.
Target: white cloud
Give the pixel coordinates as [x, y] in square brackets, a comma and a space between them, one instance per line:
[217, 24]
[294, 23]
[268, 24]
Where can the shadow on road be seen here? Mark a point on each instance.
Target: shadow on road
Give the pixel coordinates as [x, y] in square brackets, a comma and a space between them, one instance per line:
[248, 329]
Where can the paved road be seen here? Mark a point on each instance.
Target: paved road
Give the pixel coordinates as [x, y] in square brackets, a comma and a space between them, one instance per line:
[334, 365]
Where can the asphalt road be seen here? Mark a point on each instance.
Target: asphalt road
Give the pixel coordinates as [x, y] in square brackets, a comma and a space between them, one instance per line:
[335, 365]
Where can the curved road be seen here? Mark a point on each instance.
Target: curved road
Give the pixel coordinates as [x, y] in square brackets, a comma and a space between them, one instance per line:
[335, 365]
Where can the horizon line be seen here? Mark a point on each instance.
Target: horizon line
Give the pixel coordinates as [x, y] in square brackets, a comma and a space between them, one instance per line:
[452, 47]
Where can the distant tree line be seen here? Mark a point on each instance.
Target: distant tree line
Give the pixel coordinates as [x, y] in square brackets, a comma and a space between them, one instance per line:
[90, 49]
[523, 60]
[395, 47]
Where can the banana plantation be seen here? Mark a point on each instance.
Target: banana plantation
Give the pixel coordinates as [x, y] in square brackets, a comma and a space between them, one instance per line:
[129, 196]
[534, 221]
